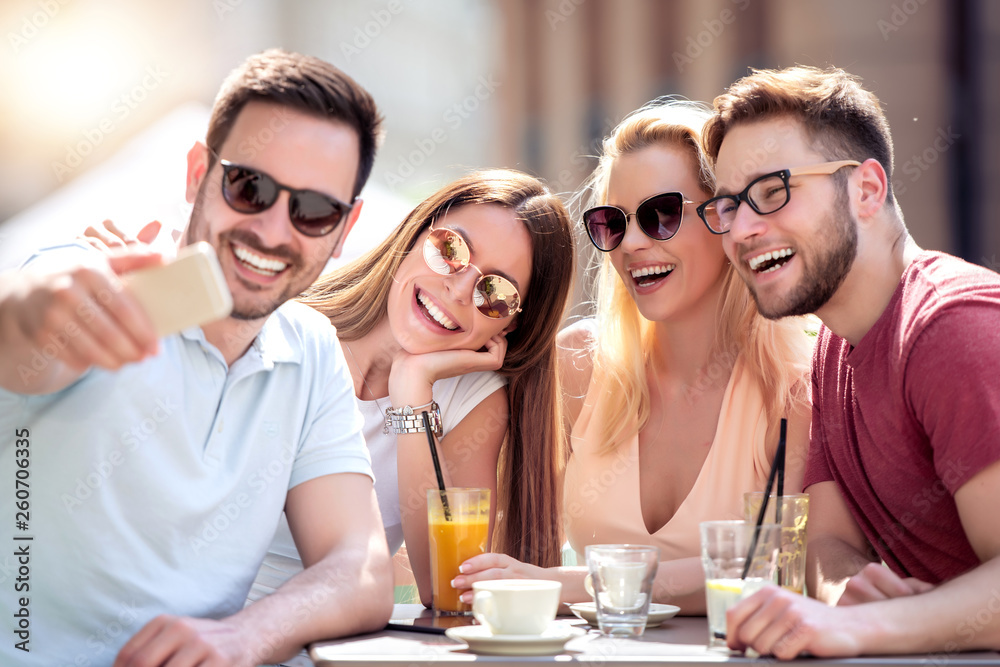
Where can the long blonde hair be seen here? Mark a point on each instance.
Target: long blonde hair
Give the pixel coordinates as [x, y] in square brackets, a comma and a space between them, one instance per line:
[776, 353]
[355, 299]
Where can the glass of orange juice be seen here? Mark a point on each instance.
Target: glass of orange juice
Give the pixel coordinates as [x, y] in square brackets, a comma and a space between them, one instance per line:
[458, 521]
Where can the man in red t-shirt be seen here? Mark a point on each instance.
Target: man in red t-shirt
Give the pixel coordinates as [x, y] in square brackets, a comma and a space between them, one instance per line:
[904, 461]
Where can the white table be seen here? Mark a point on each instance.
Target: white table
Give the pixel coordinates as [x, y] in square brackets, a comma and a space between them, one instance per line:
[679, 641]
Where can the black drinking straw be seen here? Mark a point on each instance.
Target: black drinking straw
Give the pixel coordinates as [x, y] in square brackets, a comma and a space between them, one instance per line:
[437, 465]
[779, 462]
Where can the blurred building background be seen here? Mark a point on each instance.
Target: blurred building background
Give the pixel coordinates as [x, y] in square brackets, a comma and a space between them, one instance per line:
[102, 98]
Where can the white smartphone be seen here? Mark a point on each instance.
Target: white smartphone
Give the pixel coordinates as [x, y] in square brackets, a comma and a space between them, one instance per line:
[189, 291]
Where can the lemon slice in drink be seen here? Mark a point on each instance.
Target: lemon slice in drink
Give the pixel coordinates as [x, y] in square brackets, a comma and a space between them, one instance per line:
[724, 587]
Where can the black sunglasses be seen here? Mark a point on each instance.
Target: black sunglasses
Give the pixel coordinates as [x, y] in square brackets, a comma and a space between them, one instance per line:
[659, 218]
[249, 190]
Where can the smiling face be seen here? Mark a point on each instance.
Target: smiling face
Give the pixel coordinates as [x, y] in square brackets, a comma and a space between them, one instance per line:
[672, 278]
[428, 311]
[265, 260]
[795, 259]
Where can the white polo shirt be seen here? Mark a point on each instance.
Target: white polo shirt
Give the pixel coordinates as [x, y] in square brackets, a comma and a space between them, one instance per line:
[156, 489]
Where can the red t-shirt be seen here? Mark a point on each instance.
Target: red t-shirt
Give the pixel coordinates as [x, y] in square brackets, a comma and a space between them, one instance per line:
[907, 417]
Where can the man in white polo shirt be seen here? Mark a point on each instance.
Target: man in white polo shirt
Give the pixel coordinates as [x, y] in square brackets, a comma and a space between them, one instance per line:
[145, 478]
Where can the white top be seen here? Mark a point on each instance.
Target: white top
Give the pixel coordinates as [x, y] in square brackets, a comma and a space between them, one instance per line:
[157, 488]
[456, 397]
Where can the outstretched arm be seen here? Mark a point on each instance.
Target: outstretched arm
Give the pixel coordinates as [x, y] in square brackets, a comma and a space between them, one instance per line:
[56, 321]
[842, 568]
[345, 589]
[962, 614]
[837, 549]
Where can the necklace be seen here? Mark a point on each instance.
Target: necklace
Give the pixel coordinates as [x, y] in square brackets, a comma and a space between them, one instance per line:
[364, 381]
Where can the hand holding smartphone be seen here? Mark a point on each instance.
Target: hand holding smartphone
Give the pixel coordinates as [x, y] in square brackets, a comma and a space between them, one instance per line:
[189, 291]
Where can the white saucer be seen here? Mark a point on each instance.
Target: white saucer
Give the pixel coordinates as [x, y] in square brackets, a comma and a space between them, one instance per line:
[481, 640]
[657, 613]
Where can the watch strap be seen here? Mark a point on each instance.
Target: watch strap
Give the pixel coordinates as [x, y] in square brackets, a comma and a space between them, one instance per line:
[407, 419]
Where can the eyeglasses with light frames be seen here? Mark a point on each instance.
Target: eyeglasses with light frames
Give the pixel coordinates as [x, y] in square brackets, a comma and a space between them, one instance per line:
[766, 194]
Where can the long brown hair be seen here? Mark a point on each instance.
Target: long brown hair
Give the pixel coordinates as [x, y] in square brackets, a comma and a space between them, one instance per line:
[355, 298]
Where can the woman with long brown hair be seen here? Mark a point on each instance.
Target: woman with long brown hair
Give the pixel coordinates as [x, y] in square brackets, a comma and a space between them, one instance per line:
[457, 313]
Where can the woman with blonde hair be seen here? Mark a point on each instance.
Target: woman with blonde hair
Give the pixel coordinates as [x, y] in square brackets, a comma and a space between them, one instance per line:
[675, 390]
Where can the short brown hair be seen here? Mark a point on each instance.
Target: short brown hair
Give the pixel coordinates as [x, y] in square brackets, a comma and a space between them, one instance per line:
[844, 120]
[303, 83]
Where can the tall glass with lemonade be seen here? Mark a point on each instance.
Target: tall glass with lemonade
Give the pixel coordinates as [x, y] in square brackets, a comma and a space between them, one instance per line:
[791, 573]
[725, 547]
[458, 522]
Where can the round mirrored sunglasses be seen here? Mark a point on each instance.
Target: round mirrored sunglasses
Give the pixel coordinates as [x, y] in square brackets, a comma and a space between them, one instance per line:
[447, 252]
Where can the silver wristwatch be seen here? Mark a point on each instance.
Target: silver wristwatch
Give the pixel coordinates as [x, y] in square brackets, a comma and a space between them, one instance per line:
[408, 419]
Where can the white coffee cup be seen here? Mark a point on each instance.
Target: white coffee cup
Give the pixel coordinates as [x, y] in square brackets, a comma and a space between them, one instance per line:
[516, 606]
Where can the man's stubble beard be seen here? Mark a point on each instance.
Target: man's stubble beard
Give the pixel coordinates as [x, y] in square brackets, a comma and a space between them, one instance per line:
[197, 230]
[822, 280]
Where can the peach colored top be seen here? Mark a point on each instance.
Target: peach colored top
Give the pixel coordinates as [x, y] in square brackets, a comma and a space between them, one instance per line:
[601, 493]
